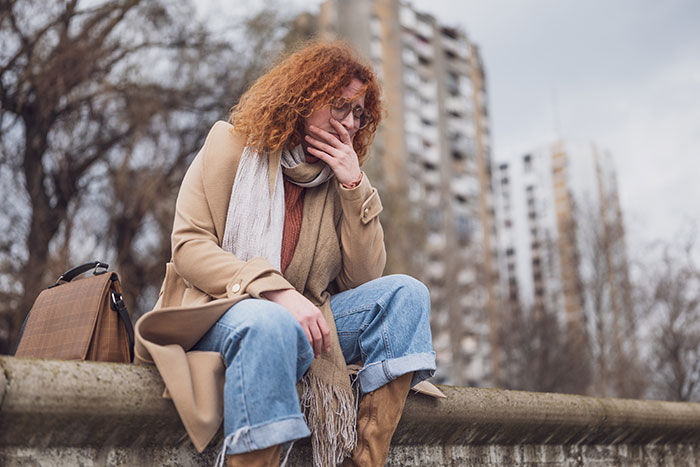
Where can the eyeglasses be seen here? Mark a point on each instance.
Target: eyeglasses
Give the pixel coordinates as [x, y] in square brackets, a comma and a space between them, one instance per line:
[341, 110]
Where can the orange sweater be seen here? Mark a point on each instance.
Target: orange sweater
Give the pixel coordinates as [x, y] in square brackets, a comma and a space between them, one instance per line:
[293, 210]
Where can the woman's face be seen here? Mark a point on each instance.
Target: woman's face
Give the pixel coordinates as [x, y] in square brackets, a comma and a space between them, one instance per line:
[321, 118]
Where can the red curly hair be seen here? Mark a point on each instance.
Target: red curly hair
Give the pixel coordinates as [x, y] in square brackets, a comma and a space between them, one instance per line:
[271, 113]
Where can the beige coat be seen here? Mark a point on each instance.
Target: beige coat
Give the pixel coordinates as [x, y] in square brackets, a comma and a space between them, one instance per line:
[203, 280]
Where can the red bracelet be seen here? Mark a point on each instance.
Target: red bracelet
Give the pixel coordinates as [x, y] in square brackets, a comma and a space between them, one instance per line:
[353, 184]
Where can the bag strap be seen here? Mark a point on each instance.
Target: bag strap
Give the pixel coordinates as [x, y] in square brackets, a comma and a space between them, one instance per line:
[116, 302]
[78, 270]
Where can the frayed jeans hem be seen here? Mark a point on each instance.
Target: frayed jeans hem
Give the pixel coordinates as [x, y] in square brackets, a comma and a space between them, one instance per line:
[253, 438]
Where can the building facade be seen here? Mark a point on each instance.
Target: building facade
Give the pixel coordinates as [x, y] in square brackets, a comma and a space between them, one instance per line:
[432, 162]
[562, 240]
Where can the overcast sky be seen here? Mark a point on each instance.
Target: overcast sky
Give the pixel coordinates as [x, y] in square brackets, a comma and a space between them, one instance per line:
[623, 74]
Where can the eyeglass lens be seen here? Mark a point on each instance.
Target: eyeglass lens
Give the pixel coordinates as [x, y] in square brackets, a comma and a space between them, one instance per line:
[358, 113]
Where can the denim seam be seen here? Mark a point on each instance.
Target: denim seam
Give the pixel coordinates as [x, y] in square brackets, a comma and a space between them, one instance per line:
[385, 367]
[363, 307]
[363, 354]
[243, 399]
[353, 311]
[365, 324]
[387, 340]
[232, 329]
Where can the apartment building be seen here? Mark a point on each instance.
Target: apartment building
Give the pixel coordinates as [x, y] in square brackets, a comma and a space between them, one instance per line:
[432, 163]
[562, 238]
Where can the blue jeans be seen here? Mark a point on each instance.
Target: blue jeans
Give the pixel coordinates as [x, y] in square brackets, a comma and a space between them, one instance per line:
[384, 323]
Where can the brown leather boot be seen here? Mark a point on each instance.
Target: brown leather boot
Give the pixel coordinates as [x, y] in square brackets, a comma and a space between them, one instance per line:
[268, 457]
[377, 418]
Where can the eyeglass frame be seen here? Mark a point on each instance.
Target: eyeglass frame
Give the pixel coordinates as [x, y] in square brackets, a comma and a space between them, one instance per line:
[340, 115]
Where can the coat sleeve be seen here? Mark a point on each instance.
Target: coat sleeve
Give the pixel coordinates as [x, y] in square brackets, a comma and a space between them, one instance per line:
[197, 254]
[361, 235]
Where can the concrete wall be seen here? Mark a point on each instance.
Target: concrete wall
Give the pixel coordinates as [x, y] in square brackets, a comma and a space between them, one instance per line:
[56, 413]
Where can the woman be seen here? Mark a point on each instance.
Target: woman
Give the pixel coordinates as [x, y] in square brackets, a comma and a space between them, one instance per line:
[275, 277]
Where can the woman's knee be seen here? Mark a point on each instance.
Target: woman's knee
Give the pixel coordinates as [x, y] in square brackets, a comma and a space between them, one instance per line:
[409, 288]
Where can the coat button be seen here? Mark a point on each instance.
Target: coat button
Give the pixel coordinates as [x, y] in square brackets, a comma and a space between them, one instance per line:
[366, 211]
[236, 288]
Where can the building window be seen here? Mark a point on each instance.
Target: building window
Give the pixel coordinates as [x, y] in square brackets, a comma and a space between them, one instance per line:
[527, 162]
[463, 228]
[434, 219]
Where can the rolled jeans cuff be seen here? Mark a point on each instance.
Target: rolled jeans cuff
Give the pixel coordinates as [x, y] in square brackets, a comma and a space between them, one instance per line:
[376, 375]
[253, 438]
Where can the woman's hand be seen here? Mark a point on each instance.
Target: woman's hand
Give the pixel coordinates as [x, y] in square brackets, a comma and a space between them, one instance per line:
[337, 153]
[309, 316]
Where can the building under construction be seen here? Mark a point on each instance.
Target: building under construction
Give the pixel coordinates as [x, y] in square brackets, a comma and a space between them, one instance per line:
[562, 241]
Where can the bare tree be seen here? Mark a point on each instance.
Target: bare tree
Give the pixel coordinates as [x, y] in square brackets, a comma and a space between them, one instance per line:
[673, 316]
[612, 313]
[103, 104]
[540, 354]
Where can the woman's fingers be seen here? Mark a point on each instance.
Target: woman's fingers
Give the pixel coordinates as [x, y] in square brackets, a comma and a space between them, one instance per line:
[310, 318]
[329, 138]
[325, 157]
[326, 333]
[344, 135]
[318, 338]
[320, 144]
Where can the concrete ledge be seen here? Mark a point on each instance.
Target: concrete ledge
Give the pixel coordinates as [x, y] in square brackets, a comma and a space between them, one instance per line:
[113, 412]
[493, 416]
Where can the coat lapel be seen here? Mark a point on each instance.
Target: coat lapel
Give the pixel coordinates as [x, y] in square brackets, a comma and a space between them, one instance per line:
[219, 173]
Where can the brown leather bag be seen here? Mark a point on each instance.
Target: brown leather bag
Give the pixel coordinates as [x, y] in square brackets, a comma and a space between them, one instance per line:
[85, 319]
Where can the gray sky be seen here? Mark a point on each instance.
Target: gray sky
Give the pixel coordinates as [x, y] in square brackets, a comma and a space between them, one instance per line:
[624, 74]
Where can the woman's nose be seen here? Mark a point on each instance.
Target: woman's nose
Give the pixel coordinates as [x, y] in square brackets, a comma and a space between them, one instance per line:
[348, 122]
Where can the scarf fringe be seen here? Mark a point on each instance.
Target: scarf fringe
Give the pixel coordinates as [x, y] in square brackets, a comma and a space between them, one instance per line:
[332, 418]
